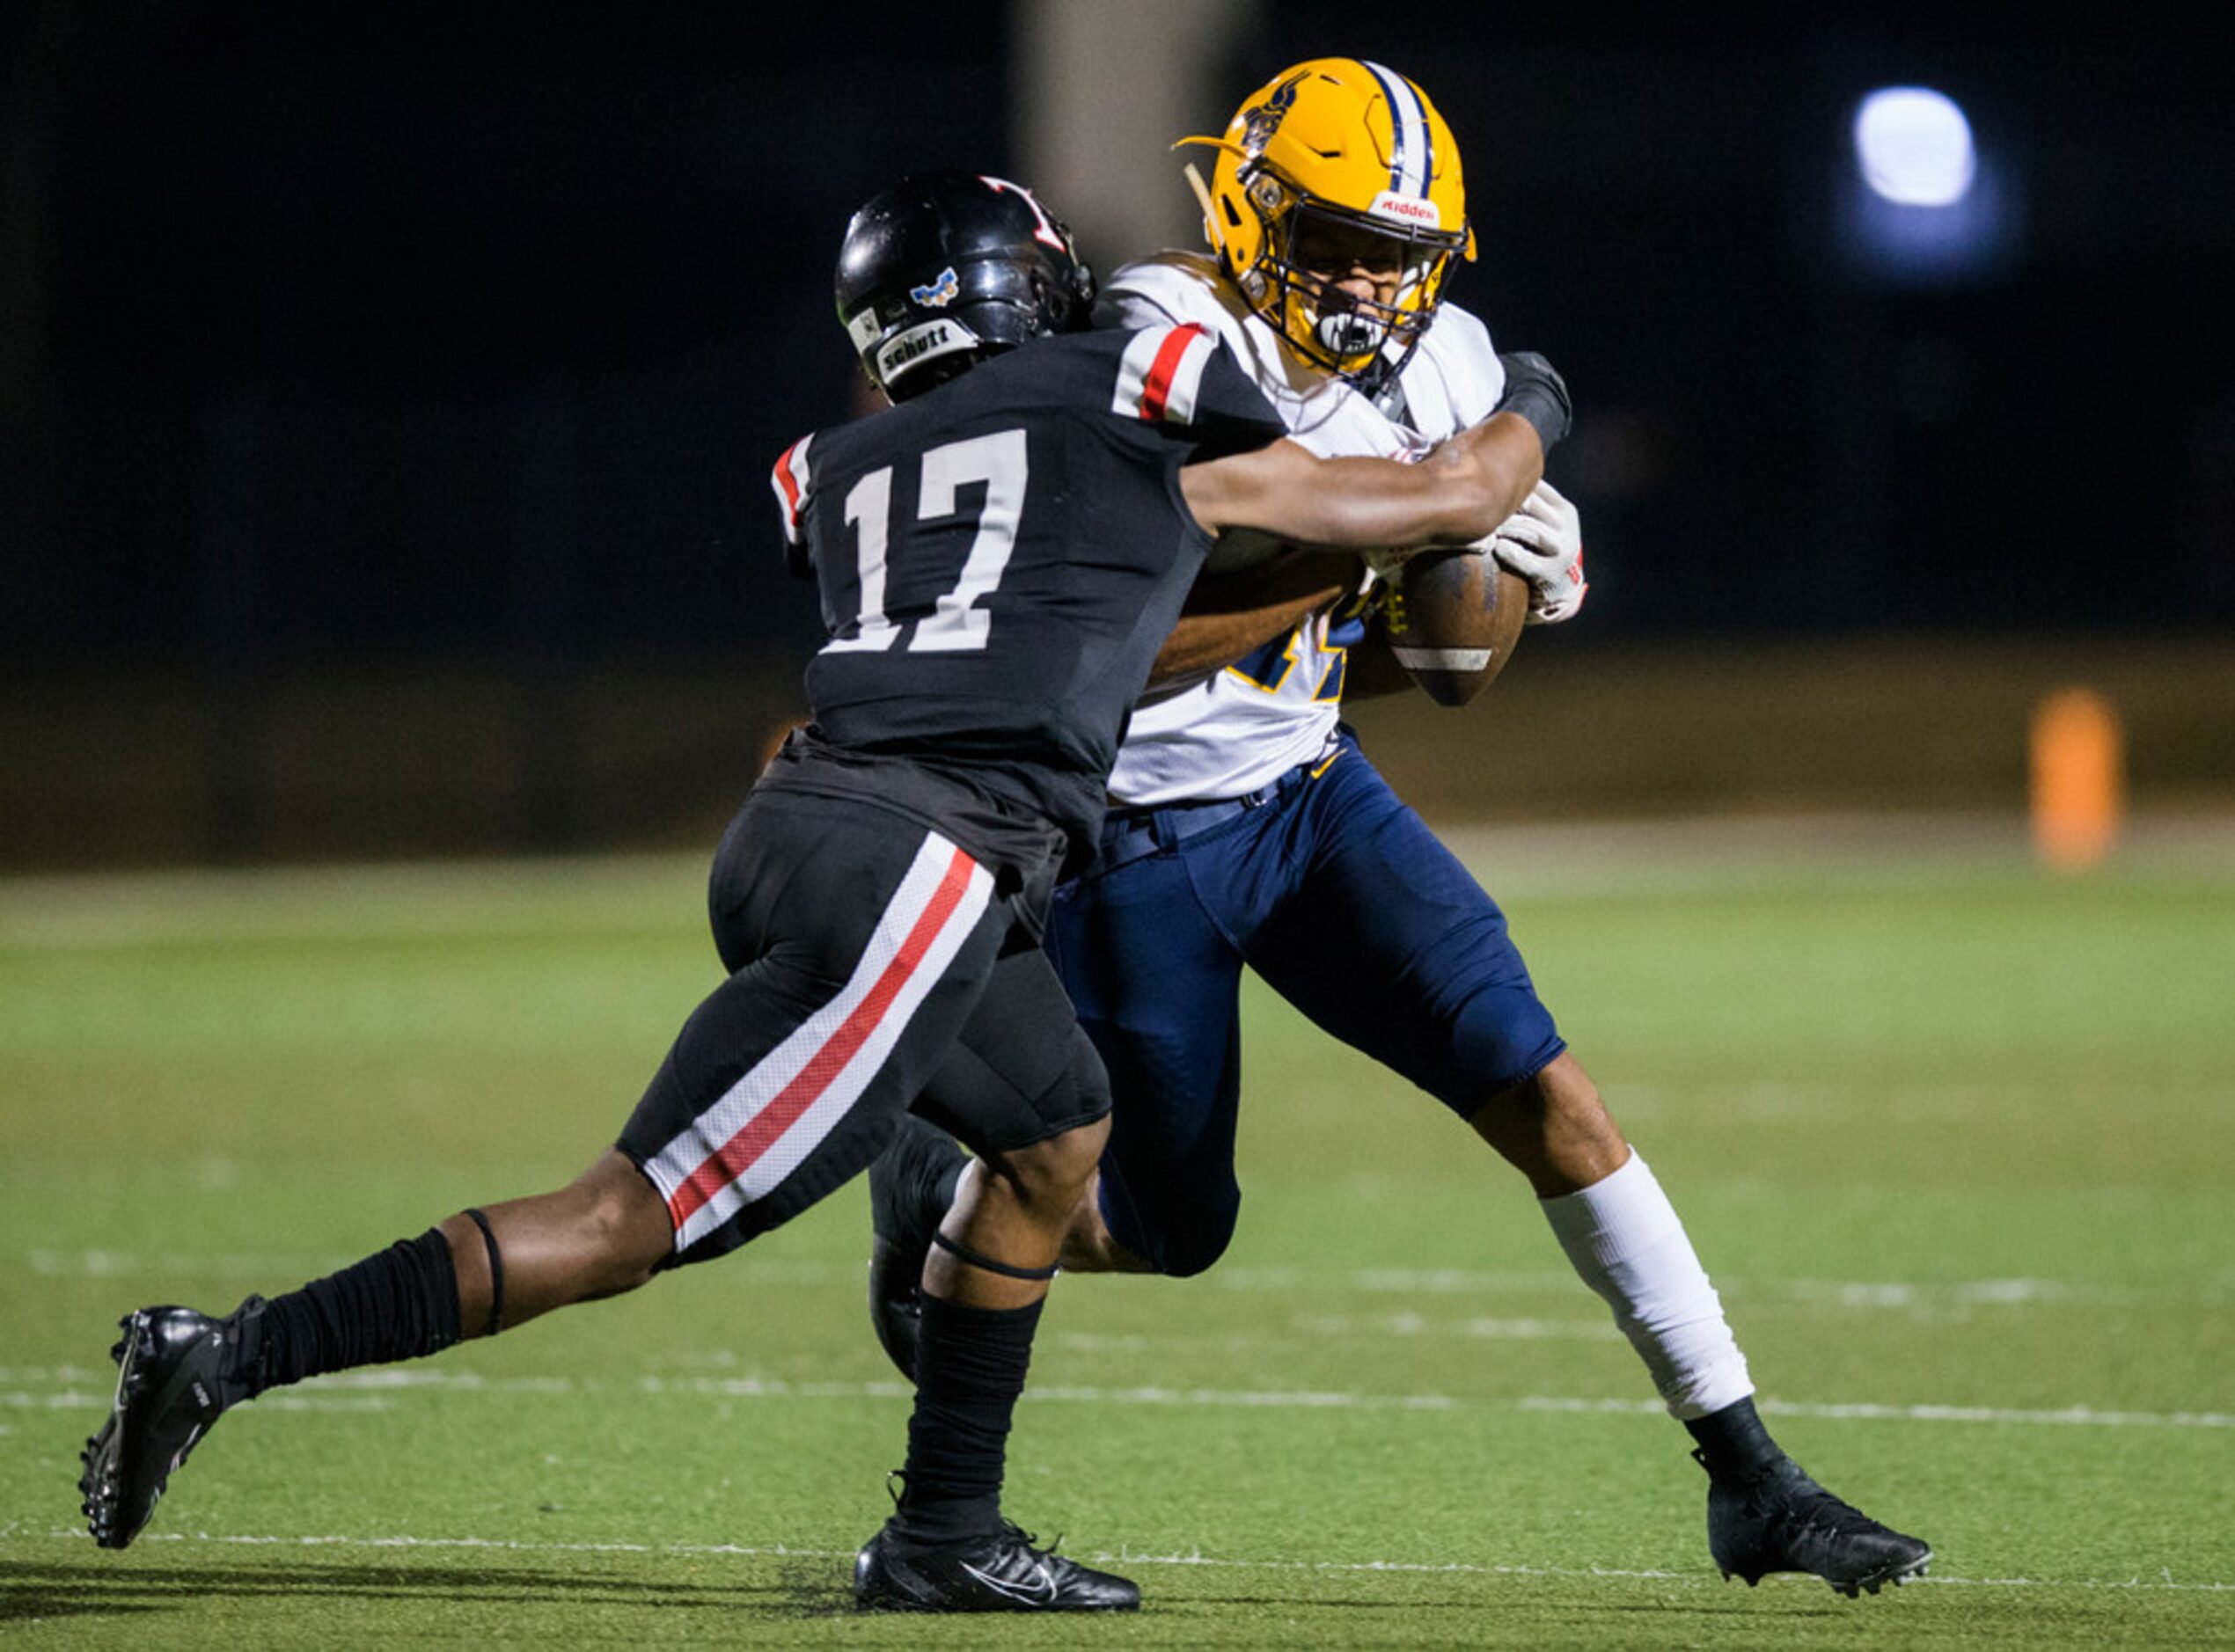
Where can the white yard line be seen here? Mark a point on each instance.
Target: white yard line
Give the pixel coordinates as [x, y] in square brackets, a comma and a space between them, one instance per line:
[372, 1388]
[1730, 854]
[2164, 1582]
[593, 893]
[89, 1400]
[1887, 1296]
[405, 901]
[2069, 1416]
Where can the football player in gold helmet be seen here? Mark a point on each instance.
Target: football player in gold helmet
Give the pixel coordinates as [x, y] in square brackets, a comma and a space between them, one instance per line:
[1336, 206]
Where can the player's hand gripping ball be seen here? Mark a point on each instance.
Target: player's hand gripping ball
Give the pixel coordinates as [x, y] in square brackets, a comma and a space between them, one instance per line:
[1542, 542]
[1453, 617]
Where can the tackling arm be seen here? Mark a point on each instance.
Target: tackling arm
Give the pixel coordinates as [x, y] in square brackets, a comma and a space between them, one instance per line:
[1460, 491]
[1228, 615]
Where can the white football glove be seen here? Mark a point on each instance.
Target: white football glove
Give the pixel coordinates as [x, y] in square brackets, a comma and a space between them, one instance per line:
[1542, 542]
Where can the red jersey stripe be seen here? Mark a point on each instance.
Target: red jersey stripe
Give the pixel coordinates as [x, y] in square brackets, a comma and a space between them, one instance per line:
[1158, 386]
[787, 483]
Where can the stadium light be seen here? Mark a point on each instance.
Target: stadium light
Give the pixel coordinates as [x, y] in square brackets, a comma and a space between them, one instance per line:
[1920, 203]
[1914, 146]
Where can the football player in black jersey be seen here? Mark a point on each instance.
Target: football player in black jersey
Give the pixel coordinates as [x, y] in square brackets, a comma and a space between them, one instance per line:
[999, 557]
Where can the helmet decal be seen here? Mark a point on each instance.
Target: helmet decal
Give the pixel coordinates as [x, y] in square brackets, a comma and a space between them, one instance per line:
[863, 327]
[1411, 154]
[937, 294]
[1261, 122]
[1044, 231]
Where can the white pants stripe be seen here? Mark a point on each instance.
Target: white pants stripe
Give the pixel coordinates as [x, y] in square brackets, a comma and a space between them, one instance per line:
[767, 1122]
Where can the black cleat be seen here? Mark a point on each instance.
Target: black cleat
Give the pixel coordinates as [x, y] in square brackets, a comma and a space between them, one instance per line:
[169, 1388]
[999, 1573]
[911, 1184]
[1780, 1520]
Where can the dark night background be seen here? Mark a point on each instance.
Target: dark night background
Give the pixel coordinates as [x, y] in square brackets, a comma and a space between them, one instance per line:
[399, 335]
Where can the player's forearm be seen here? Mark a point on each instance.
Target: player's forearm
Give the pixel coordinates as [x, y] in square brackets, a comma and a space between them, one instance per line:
[1458, 493]
[1228, 615]
[1504, 463]
[1493, 465]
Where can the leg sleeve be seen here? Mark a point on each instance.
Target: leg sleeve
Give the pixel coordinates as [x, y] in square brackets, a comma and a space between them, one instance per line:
[1627, 1243]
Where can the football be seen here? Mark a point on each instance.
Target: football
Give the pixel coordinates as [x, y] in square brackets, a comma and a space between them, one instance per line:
[1453, 617]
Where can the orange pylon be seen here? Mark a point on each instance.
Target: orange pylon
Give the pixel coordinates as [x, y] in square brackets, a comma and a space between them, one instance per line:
[2078, 778]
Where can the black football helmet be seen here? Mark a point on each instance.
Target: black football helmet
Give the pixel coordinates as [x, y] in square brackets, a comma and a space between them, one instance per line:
[946, 268]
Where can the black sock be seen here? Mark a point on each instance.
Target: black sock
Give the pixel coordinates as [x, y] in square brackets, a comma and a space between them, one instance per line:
[970, 1369]
[1733, 1443]
[398, 1304]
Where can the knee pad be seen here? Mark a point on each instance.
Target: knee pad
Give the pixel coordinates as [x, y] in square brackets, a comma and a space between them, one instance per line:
[1202, 1242]
[1181, 1233]
[1084, 1093]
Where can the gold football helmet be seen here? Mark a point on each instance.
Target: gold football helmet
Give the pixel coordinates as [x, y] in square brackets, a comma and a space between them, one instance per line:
[1332, 164]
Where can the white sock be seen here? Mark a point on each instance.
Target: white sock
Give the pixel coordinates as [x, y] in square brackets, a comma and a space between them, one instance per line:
[1627, 1242]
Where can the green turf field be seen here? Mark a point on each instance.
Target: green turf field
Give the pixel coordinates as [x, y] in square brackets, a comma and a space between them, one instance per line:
[1956, 1140]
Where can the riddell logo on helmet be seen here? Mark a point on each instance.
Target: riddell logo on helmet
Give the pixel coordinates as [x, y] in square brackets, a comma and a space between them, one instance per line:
[1408, 208]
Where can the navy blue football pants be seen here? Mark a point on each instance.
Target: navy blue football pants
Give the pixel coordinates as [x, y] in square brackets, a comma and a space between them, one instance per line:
[1338, 896]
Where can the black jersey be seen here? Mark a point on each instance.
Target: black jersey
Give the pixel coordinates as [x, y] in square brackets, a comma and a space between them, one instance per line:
[1001, 557]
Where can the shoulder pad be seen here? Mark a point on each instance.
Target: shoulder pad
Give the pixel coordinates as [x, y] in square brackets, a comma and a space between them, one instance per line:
[1188, 286]
[1457, 360]
[1172, 287]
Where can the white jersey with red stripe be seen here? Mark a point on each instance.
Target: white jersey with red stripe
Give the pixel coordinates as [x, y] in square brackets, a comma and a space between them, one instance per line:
[1227, 733]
